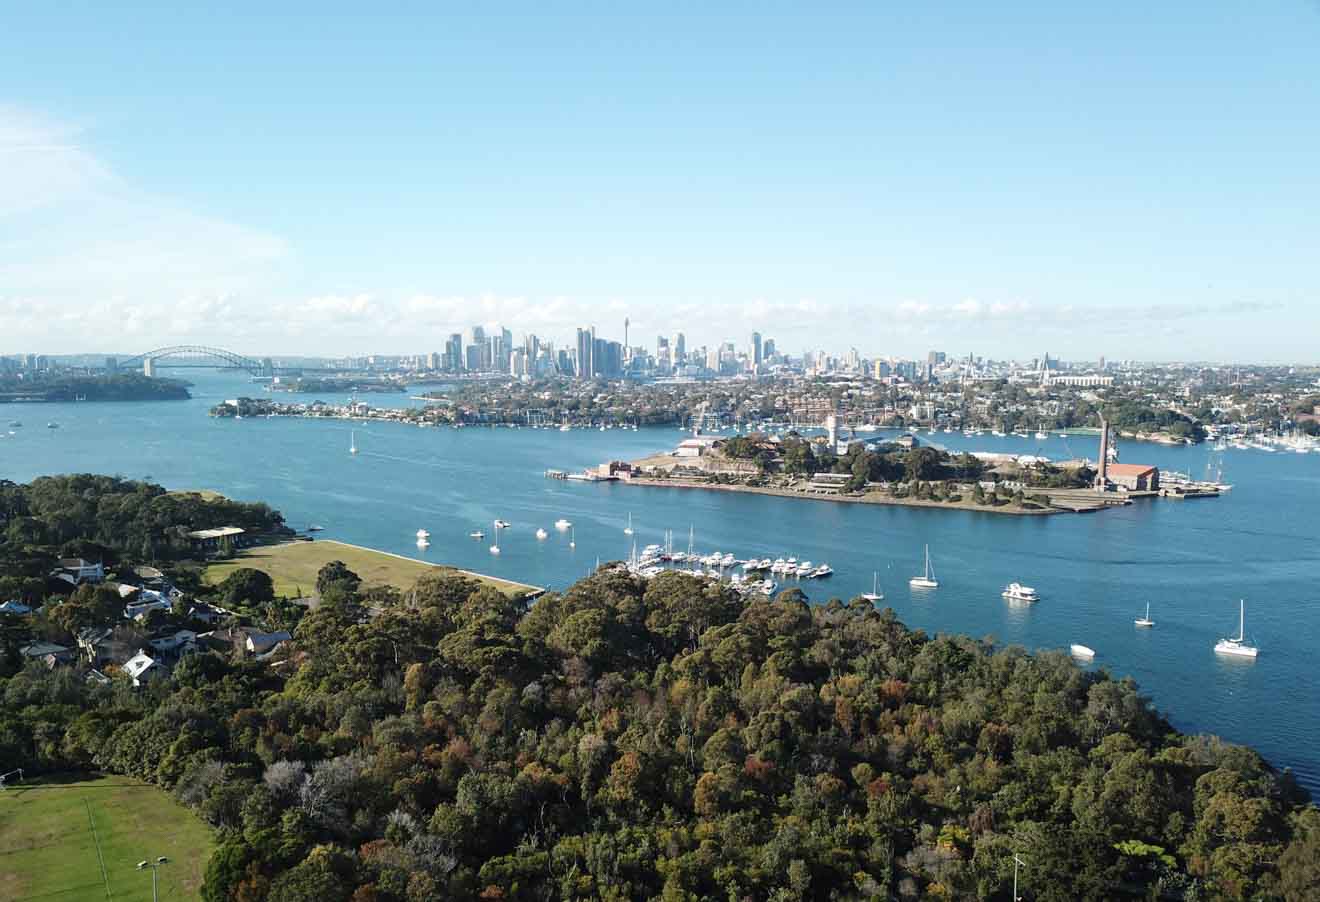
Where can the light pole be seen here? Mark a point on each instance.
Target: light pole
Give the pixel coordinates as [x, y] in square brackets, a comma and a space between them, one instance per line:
[1016, 862]
[155, 866]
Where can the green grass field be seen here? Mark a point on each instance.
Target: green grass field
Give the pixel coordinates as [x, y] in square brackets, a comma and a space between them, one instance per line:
[51, 833]
[293, 567]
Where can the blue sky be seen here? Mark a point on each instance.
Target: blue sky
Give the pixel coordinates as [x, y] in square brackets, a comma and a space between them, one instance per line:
[1009, 178]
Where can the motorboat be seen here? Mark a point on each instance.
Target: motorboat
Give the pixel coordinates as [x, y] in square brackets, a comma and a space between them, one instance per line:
[502, 524]
[927, 579]
[1019, 592]
[1145, 621]
[315, 528]
[478, 534]
[562, 524]
[822, 571]
[541, 533]
[423, 534]
[1081, 651]
[1237, 646]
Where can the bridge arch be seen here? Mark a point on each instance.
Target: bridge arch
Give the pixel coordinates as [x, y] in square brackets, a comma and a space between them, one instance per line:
[201, 353]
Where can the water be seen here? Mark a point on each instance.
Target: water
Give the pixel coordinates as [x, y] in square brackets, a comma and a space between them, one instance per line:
[1191, 560]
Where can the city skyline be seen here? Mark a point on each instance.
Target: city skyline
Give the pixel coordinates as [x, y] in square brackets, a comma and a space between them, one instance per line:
[883, 179]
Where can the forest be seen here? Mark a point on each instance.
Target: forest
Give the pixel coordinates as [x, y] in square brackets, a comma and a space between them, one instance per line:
[632, 739]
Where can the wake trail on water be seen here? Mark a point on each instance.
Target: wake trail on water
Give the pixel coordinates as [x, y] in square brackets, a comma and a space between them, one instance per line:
[404, 460]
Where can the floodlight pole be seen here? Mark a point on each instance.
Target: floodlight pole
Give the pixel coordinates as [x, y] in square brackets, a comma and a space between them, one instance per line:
[1016, 862]
[155, 867]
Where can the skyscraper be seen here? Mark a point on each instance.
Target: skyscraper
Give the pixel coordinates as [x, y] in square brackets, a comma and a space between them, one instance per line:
[678, 348]
[454, 353]
[756, 352]
[586, 340]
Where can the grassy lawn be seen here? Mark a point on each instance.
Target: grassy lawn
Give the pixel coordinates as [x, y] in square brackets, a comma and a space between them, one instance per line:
[293, 567]
[48, 849]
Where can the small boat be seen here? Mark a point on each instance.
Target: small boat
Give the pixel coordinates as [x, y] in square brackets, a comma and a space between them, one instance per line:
[562, 524]
[565, 428]
[478, 534]
[541, 533]
[927, 580]
[1145, 621]
[15, 424]
[875, 594]
[1081, 651]
[628, 530]
[822, 571]
[1238, 646]
[52, 425]
[315, 528]
[1019, 592]
[423, 534]
[502, 524]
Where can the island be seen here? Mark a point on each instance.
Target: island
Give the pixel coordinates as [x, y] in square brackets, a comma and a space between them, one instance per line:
[900, 472]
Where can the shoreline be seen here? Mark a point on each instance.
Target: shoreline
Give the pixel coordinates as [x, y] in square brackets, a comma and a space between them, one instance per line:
[531, 591]
[873, 498]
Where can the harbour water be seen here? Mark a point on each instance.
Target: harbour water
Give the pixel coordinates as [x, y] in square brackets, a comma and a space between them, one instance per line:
[1191, 560]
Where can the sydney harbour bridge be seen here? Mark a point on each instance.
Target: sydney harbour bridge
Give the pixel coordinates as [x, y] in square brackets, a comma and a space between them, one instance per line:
[199, 357]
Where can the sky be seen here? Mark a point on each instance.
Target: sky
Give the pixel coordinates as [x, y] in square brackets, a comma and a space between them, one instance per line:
[1132, 180]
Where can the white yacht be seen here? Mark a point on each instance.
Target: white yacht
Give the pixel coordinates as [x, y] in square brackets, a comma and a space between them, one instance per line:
[502, 524]
[1145, 621]
[561, 524]
[1081, 651]
[541, 533]
[875, 594]
[927, 579]
[1238, 646]
[1019, 592]
[422, 534]
[822, 571]
[478, 534]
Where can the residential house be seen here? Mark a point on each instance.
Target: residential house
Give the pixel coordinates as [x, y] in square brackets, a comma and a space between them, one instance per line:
[142, 668]
[48, 652]
[262, 643]
[179, 642]
[75, 571]
[99, 646]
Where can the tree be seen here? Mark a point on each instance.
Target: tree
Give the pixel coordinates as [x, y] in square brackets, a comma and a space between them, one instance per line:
[246, 586]
[336, 572]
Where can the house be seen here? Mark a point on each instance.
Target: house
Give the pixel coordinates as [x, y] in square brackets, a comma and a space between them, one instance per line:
[261, 643]
[179, 642]
[96, 678]
[15, 608]
[99, 646]
[49, 652]
[147, 600]
[75, 571]
[142, 668]
[209, 613]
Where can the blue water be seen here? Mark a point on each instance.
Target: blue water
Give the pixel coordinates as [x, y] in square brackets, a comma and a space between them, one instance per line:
[1191, 560]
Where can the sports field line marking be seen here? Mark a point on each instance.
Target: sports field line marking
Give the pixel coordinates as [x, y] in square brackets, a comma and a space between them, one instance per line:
[104, 876]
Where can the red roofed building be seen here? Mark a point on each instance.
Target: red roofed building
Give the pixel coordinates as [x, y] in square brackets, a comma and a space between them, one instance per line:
[1134, 477]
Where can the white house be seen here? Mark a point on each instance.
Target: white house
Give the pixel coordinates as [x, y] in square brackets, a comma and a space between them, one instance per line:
[75, 571]
[261, 643]
[147, 600]
[177, 642]
[142, 668]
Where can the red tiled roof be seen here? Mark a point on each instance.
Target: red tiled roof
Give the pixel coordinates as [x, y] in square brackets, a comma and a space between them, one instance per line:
[1129, 469]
